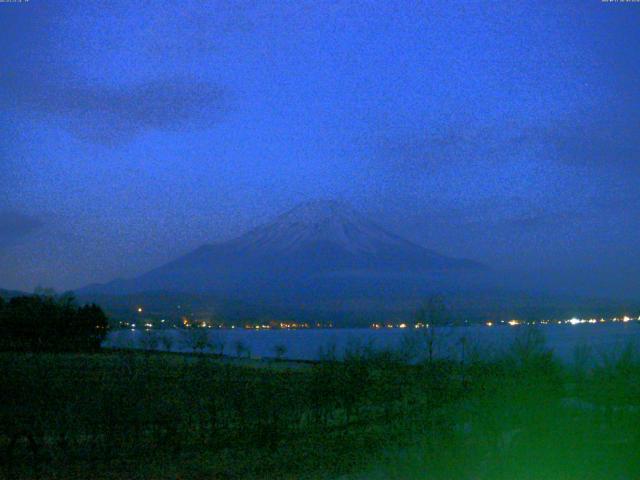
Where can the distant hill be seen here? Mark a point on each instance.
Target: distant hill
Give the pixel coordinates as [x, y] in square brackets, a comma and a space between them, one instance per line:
[11, 293]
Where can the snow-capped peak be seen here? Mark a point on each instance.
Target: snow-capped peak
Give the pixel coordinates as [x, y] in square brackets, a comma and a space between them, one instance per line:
[319, 211]
[320, 221]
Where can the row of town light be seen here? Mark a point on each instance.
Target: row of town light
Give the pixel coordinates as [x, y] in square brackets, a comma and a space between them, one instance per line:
[377, 326]
[570, 321]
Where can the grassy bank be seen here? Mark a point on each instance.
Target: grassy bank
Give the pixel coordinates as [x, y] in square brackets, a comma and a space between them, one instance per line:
[138, 415]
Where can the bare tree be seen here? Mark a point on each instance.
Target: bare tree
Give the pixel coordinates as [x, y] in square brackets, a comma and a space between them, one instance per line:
[242, 348]
[149, 341]
[280, 351]
[433, 315]
[217, 342]
[167, 341]
[197, 340]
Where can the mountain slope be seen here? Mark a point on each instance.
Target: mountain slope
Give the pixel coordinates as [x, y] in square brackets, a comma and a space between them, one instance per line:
[315, 241]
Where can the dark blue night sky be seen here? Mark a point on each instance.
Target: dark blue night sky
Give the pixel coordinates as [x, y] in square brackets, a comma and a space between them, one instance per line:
[506, 132]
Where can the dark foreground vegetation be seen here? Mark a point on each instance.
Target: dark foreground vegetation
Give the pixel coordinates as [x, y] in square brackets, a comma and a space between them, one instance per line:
[517, 414]
[49, 323]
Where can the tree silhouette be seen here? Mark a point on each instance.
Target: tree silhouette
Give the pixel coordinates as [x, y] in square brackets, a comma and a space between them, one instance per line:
[280, 351]
[48, 323]
[432, 314]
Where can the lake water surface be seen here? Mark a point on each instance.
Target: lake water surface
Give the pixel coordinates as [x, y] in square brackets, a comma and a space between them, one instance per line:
[308, 344]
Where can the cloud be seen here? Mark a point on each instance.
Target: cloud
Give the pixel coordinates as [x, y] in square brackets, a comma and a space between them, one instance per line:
[426, 150]
[607, 143]
[113, 115]
[15, 226]
[601, 140]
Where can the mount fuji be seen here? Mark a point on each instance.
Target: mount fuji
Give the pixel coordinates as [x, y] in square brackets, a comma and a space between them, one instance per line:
[316, 247]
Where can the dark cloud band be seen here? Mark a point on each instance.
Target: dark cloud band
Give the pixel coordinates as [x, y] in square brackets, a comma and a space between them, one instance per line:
[112, 115]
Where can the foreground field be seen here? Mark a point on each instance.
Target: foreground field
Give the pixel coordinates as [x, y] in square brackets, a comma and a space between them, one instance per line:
[166, 416]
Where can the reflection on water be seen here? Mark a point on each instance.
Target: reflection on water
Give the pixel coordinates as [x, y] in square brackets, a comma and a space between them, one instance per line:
[602, 339]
